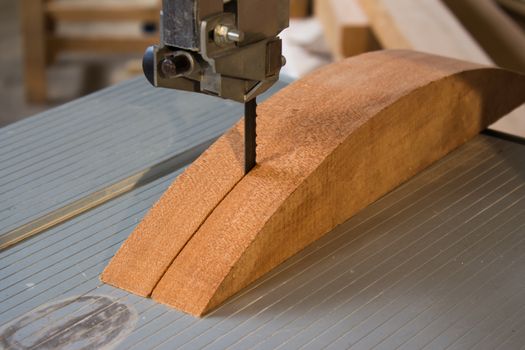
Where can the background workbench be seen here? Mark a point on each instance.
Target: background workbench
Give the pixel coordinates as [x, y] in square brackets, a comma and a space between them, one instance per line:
[439, 262]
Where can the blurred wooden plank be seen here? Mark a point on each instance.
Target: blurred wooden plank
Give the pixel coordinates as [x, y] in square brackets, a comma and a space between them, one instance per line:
[517, 6]
[429, 26]
[425, 25]
[33, 25]
[299, 8]
[88, 12]
[346, 27]
[101, 44]
[495, 31]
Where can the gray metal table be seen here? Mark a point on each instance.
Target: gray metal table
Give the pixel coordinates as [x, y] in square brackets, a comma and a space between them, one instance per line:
[437, 263]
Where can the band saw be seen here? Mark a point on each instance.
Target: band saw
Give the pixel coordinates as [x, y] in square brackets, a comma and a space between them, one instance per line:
[223, 48]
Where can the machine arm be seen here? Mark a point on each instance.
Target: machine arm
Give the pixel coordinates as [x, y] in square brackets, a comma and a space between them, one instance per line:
[228, 49]
[224, 48]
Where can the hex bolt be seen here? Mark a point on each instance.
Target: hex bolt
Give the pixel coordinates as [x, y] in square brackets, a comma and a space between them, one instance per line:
[179, 64]
[224, 35]
[234, 35]
[168, 68]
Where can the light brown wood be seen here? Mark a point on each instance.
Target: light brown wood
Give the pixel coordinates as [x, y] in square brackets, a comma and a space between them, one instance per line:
[425, 25]
[42, 44]
[494, 29]
[328, 145]
[299, 8]
[101, 44]
[429, 26]
[34, 29]
[89, 12]
[346, 27]
[149, 251]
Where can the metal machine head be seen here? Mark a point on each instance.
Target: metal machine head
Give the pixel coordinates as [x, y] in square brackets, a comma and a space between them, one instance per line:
[225, 48]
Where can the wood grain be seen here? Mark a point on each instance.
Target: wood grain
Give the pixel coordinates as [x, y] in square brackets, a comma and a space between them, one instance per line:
[429, 26]
[149, 251]
[329, 145]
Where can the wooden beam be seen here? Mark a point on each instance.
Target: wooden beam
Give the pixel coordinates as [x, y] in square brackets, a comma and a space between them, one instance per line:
[34, 36]
[101, 44]
[324, 153]
[429, 26]
[299, 8]
[516, 6]
[425, 25]
[494, 30]
[89, 12]
[346, 27]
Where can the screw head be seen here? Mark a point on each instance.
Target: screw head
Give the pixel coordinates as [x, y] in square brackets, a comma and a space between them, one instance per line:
[224, 35]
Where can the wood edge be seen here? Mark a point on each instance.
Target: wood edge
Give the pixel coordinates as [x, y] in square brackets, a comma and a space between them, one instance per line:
[118, 271]
[217, 299]
[384, 26]
[230, 278]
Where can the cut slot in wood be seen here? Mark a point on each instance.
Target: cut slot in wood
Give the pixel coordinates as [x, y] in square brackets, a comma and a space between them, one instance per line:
[328, 145]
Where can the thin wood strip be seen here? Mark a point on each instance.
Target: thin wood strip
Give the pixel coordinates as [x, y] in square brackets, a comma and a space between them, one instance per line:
[102, 196]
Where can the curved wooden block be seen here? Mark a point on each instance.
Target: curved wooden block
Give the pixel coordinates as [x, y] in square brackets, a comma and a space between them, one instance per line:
[328, 145]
